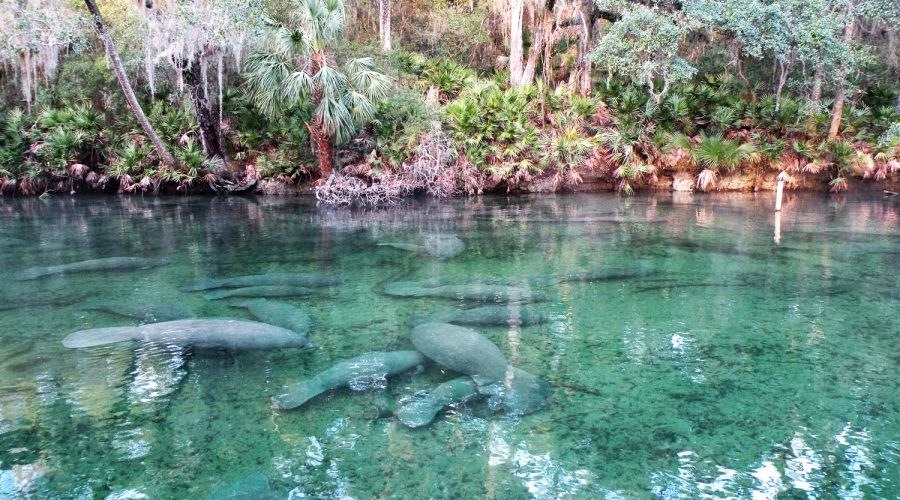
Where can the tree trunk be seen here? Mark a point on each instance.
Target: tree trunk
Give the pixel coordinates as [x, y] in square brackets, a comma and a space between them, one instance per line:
[210, 134]
[516, 12]
[580, 79]
[323, 147]
[541, 35]
[317, 131]
[816, 94]
[119, 70]
[837, 111]
[782, 79]
[384, 24]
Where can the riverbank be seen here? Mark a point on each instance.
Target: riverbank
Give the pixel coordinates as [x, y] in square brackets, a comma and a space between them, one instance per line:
[590, 180]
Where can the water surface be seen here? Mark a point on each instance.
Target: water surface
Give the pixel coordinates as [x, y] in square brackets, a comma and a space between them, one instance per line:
[735, 366]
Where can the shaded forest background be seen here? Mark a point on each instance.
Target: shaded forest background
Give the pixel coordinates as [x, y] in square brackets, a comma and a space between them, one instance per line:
[372, 101]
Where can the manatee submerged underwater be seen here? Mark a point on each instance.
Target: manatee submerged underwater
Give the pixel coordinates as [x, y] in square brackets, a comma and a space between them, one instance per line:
[367, 365]
[277, 313]
[510, 389]
[198, 333]
[306, 280]
[489, 315]
[474, 292]
[93, 265]
[438, 246]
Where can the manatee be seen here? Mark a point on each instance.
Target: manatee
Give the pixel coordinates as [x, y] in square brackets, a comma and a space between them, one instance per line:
[520, 392]
[107, 264]
[144, 312]
[462, 350]
[490, 315]
[422, 411]
[609, 274]
[277, 313]
[8, 241]
[370, 364]
[260, 291]
[199, 333]
[476, 292]
[252, 487]
[308, 280]
[439, 246]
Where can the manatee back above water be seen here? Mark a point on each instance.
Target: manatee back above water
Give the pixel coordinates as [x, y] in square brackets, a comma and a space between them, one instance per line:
[367, 365]
[199, 333]
[460, 349]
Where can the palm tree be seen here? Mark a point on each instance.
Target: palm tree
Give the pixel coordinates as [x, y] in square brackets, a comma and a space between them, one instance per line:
[716, 153]
[293, 65]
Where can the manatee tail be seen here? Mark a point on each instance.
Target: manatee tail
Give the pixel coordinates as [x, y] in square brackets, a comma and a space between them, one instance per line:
[217, 295]
[101, 336]
[409, 247]
[295, 395]
[32, 273]
[202, 285]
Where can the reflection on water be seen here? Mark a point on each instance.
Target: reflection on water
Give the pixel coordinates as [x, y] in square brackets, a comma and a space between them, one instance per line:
[690, 354]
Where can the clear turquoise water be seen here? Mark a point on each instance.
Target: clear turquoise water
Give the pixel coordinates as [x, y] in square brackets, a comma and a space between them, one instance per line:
[739, 367]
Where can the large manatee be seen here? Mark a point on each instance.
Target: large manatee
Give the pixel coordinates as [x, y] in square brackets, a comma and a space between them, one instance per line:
[439, 246]
[199, 333]
[490, 315]
[462, 350]
[107, 264]
[520, 392]
[421, 411]
[277, 313]
[370, 364]
[260, 292]
[144, 312]
[475, 292]
[309, 280]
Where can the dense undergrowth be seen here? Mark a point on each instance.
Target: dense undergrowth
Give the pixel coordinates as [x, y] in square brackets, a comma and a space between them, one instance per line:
[446, 127]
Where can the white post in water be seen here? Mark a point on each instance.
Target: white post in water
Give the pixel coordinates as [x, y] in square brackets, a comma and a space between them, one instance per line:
[779, 191]
[777, 228]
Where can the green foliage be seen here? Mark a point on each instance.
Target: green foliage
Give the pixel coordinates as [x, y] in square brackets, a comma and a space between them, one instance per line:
[487, 115]
[717, 153]
[643, 46]
[400, 122]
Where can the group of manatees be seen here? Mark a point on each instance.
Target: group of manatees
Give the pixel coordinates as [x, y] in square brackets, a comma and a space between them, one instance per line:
[441, 337]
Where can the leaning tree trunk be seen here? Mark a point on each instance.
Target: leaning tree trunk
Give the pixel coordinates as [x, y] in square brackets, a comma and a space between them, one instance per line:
[119, 70]
[837, 111]
[542, 34]
[384, 24]
[516, 12]
[210, 133]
